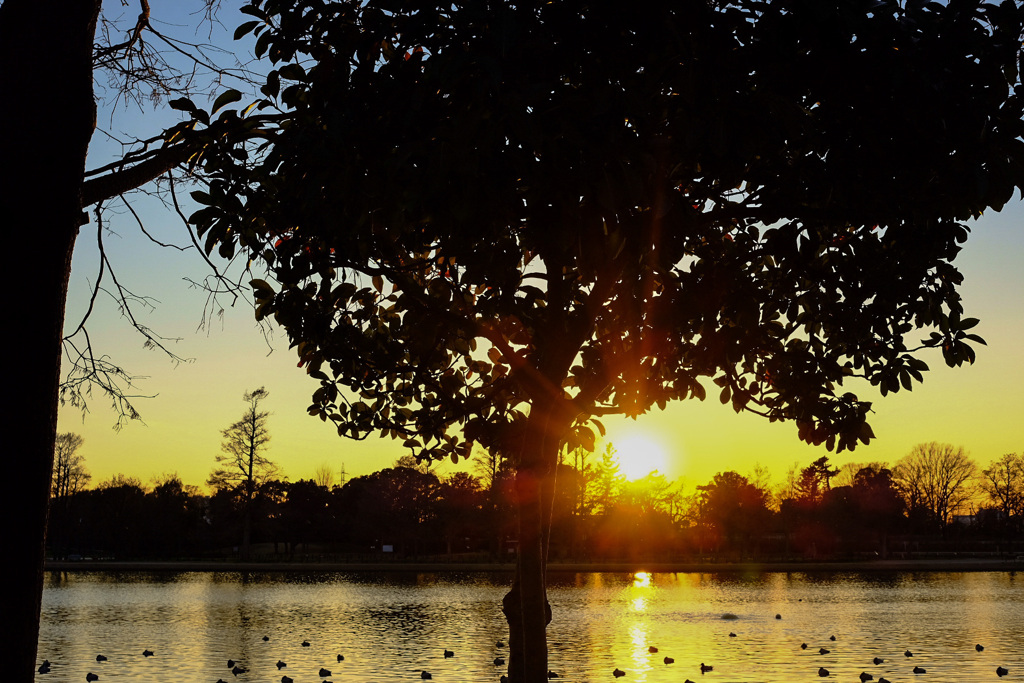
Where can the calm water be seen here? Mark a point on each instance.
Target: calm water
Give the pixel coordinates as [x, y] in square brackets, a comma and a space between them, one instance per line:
[389, 627]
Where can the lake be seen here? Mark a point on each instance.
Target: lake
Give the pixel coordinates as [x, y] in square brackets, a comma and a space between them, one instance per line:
[392, 626]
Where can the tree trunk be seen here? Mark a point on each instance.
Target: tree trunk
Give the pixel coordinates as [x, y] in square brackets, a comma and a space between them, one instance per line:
[526, 606]
[47, 121]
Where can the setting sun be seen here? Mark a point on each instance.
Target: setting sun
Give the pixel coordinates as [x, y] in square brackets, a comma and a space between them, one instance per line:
[639, 455]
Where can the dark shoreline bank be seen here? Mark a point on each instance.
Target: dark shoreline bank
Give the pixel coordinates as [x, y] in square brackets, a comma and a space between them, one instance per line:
[928, 565]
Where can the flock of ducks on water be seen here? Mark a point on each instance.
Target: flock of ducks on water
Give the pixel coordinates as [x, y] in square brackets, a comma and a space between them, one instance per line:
[324, 673]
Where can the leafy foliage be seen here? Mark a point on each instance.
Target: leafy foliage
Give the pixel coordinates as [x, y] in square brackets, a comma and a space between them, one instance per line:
[471, 211]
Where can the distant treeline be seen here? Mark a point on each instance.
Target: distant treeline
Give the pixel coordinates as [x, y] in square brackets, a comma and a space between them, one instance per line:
[935, 499]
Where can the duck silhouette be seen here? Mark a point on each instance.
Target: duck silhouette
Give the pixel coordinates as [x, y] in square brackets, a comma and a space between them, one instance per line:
[238, 670]
[865, 676]
[652, 649]
[425, 675]
[908, 653]
[89, 677]
[498, 661]
[704, 668]
[877, 660]
[669, 660]
[44, 668]
[305, 643]
[618, 673]
[231, 662]
[147, 653]
[979, 647]
[448, 653]
[324, 673]
[823, 651]
[919, 670]
[286, 679]
[280, 665]
[822, 671]
[341, 658]
[1001, 671]
[100, 658]
[803, 646]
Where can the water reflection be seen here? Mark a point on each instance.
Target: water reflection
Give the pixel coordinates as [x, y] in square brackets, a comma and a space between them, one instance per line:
[389, 627]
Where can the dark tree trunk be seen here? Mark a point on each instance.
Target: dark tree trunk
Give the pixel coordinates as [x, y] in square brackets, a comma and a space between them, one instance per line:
[46, 121]
[526, 606]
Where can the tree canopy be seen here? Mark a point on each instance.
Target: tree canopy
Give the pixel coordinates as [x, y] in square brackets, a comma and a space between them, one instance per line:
[496, 222]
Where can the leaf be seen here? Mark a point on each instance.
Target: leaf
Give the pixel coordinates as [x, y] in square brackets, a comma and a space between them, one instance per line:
[245, 28]
[226, 97]
[182, 104]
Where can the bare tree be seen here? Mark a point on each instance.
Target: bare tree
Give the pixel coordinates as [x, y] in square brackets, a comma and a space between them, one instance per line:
[324, 476]
[936, 479]
[1003, 481]
[69, 473]
[243, 462]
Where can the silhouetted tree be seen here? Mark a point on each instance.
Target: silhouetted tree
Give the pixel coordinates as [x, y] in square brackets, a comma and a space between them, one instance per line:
[69, 477]
[49, 192]
[733, 510]
[243, 462]
[936, 480]
[1003, 481]
[495, 222]
[815, 480]
[460, 500]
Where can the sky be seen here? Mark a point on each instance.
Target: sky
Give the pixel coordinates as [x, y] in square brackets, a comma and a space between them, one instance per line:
[187, 405]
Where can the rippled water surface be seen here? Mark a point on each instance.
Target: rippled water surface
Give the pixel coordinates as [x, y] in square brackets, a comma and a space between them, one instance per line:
[390, 627]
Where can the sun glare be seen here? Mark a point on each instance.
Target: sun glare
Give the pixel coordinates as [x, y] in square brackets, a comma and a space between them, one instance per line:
[639, 455]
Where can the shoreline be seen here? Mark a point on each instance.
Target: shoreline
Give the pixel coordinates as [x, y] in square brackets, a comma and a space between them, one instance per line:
[919, 565]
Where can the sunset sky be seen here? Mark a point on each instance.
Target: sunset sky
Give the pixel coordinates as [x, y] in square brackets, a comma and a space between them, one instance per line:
[980, 407]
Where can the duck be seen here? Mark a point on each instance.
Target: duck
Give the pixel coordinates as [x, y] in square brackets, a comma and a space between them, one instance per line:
[147, 653]
[1001, 671]
[877, 660]
[731, 634]
[231, 662]
[803, 646]
[499, 644]
[704, 668]
[425, 675]
[286, 679]
[979, 647]
[919, 670]
[831, 637]
[44, 668]
[100, 658]
[865, 676]
[823, 651]
[883, 679]
[238, 670]
[552, 674]
[89, 677]
[280, 665]
[778, 616]
[266, 638]
[669, 660]
[822, 671]
[324, 673]
[618, 673]
[908, 653]
[448, 653]
[305, 643]
[341, 658]
[498, 661]
[652, 649]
